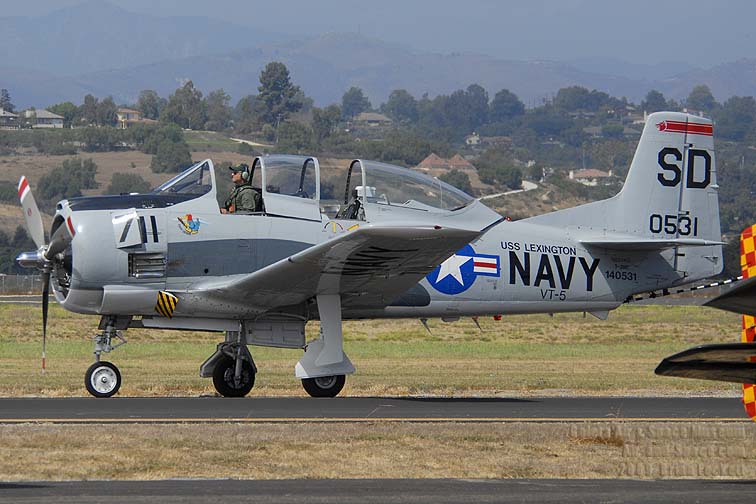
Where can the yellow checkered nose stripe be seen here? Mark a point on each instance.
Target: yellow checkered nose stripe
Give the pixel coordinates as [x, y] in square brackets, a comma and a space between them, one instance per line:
[166, 304]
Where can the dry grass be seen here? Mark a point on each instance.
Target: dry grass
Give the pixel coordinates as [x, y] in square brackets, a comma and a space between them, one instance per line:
[274, 451]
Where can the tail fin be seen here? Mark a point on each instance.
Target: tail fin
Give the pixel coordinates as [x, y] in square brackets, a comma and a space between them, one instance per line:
[748, 265]
[669, 199]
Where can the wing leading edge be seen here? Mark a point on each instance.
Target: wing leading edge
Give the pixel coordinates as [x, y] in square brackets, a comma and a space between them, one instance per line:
[370, 266]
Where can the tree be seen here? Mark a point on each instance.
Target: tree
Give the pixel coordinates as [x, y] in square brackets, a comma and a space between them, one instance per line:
[124, 183]
[575, 98]
[458, 179]
[88, 110]
[171, 157]
[246, 115]
[737, 118]
[324, 121]
[67, 181]
[277, 97]
[401, 107]
[98, 139]
[68, 110]
[186, 108]
[150, 104]
[353, 102]
[106, 112]
[218, 110]
[505, 106]
[701, 99]
[5, 101]
[654, 102]
[294, 137]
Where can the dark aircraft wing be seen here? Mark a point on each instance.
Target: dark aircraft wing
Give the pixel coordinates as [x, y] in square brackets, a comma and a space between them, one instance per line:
[730, 362]
[370, 266]
[740, 299]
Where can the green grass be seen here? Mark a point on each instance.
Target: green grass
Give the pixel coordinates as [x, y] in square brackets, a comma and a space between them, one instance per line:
[531, 355]
[209, 141]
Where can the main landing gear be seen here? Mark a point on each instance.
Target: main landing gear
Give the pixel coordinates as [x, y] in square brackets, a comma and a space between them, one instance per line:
[103, 379]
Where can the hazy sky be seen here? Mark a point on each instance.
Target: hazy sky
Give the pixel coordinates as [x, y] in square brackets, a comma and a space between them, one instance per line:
[702, 33]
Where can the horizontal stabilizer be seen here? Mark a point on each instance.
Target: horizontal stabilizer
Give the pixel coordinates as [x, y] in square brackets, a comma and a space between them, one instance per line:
[640, 244]
[730, 362]
[740, 299]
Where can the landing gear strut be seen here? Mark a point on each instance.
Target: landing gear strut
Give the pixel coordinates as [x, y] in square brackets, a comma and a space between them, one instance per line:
[103, 379]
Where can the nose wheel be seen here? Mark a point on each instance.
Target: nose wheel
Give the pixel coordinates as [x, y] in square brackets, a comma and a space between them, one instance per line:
[102, 379]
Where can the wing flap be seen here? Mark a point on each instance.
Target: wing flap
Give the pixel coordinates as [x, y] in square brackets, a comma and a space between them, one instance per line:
[370, 266]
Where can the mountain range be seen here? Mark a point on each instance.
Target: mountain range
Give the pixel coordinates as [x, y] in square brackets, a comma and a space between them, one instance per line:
[98, 48]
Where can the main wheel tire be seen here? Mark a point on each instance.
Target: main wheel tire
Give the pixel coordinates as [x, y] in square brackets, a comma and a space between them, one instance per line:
[324, 386]
[102, 379]
[225, 382]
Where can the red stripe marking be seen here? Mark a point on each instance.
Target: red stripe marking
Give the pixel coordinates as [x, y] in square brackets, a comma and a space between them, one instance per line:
[686, 127]
[70, 226]
[22, 186]
[751, 409]
[491, 264]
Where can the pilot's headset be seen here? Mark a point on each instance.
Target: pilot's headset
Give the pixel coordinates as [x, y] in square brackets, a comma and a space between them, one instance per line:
[244, 169]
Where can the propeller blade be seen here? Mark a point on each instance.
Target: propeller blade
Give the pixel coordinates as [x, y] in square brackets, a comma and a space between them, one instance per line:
[45, 305]
[59, 240]
[31, 213]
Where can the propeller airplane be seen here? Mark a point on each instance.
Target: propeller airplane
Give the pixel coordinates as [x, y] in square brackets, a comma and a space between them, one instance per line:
[399, 245]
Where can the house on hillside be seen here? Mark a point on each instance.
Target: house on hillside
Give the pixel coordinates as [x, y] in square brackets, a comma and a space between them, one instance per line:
[472, 140]
[372, 119]
[8, 120]
[436, 163]
[43, 118]
[591, 177]
[127, 117]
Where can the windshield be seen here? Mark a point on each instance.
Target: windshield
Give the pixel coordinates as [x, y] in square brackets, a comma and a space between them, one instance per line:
[194, 181]
[396, 186]
[291, 176]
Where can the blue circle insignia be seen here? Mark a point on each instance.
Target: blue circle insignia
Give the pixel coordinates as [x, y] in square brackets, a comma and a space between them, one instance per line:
[456, 274]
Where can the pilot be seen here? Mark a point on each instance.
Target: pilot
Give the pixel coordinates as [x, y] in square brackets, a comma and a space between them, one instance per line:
[243, 197]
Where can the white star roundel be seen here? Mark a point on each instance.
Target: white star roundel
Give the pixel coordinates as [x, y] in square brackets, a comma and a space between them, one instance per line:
[458, 273]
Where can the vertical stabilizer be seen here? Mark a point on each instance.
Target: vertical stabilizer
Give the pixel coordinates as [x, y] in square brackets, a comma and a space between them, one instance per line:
[669, 199]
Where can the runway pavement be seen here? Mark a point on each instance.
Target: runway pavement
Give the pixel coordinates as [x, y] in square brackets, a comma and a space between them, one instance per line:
[357, 409]
[382, 491]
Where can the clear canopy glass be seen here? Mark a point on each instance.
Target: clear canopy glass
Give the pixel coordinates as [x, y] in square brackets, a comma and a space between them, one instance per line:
[195, 181]
[401, 187]
[290, 176]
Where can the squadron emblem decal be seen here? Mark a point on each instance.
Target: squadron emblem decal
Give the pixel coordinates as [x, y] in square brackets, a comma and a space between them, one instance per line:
[189, 225]
[458, 273]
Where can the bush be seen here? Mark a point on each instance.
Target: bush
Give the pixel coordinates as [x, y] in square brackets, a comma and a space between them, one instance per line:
[66, 181]
[246, 149]
[171, 157]
[458, 179]
[124, 183]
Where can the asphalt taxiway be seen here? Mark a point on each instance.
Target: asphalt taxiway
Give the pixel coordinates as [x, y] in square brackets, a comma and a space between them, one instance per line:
[368, 409]
[381, 491]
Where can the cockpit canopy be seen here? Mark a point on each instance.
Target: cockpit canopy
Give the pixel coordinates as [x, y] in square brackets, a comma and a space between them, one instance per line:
[385, 184]
[290, 186]
[194, 181]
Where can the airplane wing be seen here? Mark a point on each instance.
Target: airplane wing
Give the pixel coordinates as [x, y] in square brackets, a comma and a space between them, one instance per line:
[369, 266]
[740, 299]
[730, 362]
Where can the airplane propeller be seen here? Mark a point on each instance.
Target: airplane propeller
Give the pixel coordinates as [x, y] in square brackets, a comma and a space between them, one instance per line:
[43, 258]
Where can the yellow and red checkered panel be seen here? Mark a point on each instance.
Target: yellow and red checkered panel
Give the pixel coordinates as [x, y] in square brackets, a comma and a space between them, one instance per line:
[748, 266]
